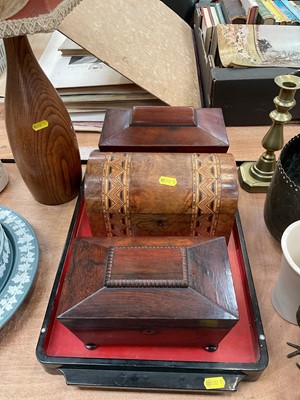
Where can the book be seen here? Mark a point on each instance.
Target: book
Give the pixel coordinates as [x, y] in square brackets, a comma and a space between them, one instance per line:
[70, 48]
[290, 16]
[251, 8]
[292, 9]
[295, 3]
[214, 15]
[197, 16]
[95, 99]
[214, 38]
[264, 14]
[103, 89]
[259, 45]
[206, 27]
[220, 13]
[233, 12]
[88, 127]
[87, 121]
[279, 16]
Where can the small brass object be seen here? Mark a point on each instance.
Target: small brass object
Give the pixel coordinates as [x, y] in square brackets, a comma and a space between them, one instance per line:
[256, 176]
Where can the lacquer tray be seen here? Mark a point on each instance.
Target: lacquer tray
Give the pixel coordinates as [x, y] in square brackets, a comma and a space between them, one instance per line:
[242, 354]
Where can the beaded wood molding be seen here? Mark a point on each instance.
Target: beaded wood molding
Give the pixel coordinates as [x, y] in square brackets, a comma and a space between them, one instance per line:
[117, 277]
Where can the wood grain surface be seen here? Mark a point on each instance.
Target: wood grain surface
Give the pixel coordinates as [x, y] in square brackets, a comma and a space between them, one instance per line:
[244, 142]
[125, 194]
[22, 376]
[48, 157]
[164, 129]
[115, 294]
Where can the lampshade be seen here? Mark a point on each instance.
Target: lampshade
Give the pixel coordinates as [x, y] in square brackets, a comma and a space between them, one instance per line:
[22, 17]
[8, 9]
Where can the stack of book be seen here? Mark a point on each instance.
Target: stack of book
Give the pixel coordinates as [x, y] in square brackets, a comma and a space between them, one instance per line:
[86, 85]
[208, 15]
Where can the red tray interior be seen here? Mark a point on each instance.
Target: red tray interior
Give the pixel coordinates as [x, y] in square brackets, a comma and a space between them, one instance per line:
[239, 346]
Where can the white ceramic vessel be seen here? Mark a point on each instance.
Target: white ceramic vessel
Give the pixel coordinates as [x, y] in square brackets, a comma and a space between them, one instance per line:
[286, 293]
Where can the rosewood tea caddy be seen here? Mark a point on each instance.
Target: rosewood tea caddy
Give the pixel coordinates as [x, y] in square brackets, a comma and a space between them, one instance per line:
[149, 291]
[164, 129]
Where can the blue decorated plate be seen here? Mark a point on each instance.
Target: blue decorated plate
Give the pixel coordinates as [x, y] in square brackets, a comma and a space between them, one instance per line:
[21, 266]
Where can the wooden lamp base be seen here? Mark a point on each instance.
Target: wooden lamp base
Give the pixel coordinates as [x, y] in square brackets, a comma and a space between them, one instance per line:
[39, 128]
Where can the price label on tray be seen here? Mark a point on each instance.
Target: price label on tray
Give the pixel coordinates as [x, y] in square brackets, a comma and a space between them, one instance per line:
[215, 382]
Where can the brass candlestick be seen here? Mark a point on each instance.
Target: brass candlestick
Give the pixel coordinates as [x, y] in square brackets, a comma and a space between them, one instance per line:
[256, 176]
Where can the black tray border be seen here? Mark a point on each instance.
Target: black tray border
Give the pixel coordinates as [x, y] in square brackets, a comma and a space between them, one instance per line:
[150, 374]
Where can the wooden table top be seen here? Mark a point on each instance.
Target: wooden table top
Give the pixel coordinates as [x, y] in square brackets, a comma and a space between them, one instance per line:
[22, 376]
[245, 142]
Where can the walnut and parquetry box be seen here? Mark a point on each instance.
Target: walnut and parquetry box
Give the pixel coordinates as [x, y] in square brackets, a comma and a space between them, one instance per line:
[149, 291]
[161, 194]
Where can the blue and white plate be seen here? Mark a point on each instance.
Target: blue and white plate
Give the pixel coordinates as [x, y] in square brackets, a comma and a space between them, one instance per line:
[19, 266]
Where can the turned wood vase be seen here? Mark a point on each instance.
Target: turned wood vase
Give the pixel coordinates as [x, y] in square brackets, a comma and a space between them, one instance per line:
[39, 129]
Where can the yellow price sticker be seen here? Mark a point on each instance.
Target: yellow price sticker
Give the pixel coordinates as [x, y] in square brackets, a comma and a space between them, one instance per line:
[215, 382]
[40, 125]
[166, 180]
